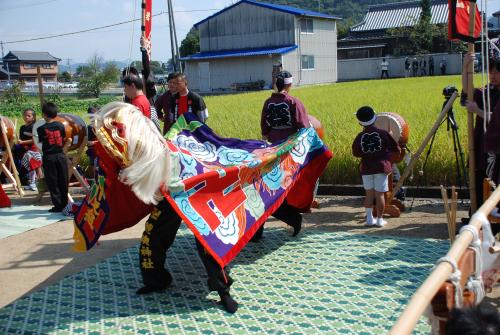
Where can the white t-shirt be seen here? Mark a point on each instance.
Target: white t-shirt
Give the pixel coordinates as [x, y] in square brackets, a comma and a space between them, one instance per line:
[384, 65]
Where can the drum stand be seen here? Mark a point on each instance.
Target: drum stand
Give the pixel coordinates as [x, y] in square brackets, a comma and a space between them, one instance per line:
[14, 175]
[72, 159]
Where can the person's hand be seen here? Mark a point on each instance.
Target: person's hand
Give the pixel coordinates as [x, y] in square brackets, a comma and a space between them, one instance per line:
[472, 107]
[468, 58]
[143, 42]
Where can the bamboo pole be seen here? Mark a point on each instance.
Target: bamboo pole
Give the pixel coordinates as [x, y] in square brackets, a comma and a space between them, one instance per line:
[421, 149]
[444, 195]
[11, 158]
[470, 116]
[453, 223]
[423, 296]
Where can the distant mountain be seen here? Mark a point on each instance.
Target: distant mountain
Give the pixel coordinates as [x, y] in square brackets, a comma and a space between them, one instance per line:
[72, 67]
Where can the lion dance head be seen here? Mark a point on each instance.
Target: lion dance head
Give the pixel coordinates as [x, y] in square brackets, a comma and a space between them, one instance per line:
[136, 145]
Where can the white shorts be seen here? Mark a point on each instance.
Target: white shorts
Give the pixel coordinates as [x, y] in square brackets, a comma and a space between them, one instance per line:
[378, 181]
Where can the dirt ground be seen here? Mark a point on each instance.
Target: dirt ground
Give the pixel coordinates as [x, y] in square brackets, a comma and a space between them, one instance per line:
[40, 257]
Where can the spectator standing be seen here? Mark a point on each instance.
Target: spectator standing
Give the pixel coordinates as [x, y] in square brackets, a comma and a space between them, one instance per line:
[423, 66]
[162, 105]
[414, 66]
[133, 85]
[185, 101]
[442, 66]
[431, 66]
[384, 66]
[407, 67]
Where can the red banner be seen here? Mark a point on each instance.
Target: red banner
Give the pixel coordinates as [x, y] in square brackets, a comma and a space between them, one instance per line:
[458, 20]
[147, 6]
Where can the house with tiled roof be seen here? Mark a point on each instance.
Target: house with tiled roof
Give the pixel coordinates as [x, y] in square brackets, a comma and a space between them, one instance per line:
[22, 65]
[371, 37]
[250, 40]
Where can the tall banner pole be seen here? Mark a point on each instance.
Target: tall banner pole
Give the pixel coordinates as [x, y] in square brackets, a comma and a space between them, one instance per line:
[470, 116]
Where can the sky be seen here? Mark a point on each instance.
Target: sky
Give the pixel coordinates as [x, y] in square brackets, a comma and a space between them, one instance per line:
[26, 19]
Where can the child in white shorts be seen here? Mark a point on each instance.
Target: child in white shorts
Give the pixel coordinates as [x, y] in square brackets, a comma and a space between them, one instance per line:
[374, 146]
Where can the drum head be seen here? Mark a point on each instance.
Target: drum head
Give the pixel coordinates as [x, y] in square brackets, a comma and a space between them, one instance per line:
[9, 125]
[36, 140]
[390, 123]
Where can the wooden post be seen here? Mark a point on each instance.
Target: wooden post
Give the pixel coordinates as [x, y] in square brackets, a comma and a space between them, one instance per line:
[421, 149]
[470, 116]
[40, 85]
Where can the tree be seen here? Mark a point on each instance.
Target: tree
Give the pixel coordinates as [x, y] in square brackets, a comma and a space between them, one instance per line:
[96, 75]
[191, 44]
[154, 65]
[65, 77]
[14, 94]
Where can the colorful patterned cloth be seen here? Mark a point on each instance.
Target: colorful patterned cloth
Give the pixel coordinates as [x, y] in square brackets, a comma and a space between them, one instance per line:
[223, 188]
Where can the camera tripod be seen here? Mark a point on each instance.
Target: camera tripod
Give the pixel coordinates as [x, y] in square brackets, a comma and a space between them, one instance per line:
[416, 156]
[451, 124]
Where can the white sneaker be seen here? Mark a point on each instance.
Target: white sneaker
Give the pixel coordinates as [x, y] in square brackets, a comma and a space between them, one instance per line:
[380, 222]
[370, 221]
[31, 187]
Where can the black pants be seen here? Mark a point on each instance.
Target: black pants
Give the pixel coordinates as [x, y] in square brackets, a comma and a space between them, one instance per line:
[160, 232]
[286, 213]
[55, 170]
[384, 72]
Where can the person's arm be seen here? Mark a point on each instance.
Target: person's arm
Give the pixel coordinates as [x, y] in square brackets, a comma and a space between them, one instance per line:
[392, 145]
[203, 114]
[301, 118]
[264, 127]
[159, 107]
[356, 148]
[150, 88]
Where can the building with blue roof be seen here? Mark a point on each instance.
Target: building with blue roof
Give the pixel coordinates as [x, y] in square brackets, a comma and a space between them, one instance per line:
[250, 41]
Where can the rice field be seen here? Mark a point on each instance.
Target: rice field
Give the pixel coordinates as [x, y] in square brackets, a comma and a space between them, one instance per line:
[417, 100]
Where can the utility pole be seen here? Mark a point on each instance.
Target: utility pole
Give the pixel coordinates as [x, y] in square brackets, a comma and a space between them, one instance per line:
[68, 60]
[8, 70]
[174, 47]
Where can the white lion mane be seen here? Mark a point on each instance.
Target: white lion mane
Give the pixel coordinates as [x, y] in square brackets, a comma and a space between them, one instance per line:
[148, 153]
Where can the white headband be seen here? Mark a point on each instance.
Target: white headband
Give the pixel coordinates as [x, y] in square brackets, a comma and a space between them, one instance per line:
[288, 81]
[369, 122]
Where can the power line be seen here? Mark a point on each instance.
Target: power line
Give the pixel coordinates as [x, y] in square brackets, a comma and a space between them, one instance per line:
[24, 6]
[102, 27]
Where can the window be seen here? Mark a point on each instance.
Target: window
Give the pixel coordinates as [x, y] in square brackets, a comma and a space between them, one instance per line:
[46, 66]
[29, 66]
[307, 62]
[306, 26]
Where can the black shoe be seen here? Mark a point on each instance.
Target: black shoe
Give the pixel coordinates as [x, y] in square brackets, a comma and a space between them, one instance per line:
[149, 289]
[230, 305]
[55, 210]
[297, 226]
[258, 234]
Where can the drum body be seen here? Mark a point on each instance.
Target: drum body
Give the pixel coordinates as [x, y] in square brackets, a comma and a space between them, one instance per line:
[317, 126]
[397, 126]
[9, 125]
[74, 127]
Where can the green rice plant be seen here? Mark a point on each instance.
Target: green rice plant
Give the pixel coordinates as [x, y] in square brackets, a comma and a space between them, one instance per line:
[417, 100]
